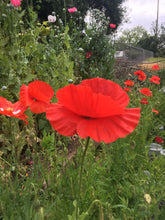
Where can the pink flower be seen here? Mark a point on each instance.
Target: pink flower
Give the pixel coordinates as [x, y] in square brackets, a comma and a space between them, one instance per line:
[112, 25]
[51, 18]
[72, 10]
[16, 3]
[89, 54]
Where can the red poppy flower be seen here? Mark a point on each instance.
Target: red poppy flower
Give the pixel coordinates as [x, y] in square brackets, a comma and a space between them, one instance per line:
[155, 67]
[159, 140]
[72, 10]
[155, 79]
[127, 89]
[13, 110]
[94, 108]
[144, 101]
[37, 95]
[142, 77]
[157, 112]
[129, 83]
[146, 92]
[141, 74]
[112, 25]
[89, 54]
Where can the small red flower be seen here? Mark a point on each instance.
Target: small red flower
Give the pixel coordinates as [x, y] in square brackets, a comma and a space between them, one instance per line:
[141, 74]
[159, 140]
[37, 95]
[144, 101]
[72, 10]
[138, 72]
[89, 54]
[112, 25]
[13, 110]
[129, 83]
[155, 79]
[155, 67]
[146, 92]
[94, 108]
[157, 112]
[127, 89]
[16, 3]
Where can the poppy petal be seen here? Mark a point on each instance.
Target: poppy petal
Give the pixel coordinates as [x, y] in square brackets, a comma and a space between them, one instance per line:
[40, 90]
[111, 128]
[3, 103]
[109, 88]
[62, 120]
[96, 105]
[25, 99]
[19, 107]
[38, 107]
[13, 110]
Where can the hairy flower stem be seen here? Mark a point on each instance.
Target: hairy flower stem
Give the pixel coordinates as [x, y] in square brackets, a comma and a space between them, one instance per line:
[13, 142]
[81, 174]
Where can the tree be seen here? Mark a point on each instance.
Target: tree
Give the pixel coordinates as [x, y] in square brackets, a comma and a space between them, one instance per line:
[155, 42]
[133, 36]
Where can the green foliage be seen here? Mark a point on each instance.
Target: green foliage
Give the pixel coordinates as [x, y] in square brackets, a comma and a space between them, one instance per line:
[155, 42]
[113, 9]
[40, 169]
[94, 40]
[133, 36]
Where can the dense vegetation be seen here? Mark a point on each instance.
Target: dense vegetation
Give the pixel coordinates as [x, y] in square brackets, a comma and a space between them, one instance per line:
[47, 175]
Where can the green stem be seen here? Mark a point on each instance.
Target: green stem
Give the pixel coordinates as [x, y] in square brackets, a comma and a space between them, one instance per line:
[93, 203]
[81, 174]
[13, 142]
[65, 11]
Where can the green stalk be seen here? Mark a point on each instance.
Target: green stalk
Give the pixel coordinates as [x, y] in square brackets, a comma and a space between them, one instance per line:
[65, 11]
[81, 174]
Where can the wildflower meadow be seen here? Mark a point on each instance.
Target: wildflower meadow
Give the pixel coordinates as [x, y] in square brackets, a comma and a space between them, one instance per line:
[76, 141]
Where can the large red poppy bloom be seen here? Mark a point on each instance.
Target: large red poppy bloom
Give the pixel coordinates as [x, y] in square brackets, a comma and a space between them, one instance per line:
[141, 74]
[13, 110]
[146, 92]
[155, 79]
[94, 108]
[37, 95]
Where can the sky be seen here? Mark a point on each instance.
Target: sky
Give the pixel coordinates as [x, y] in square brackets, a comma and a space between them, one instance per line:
[144, 13]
